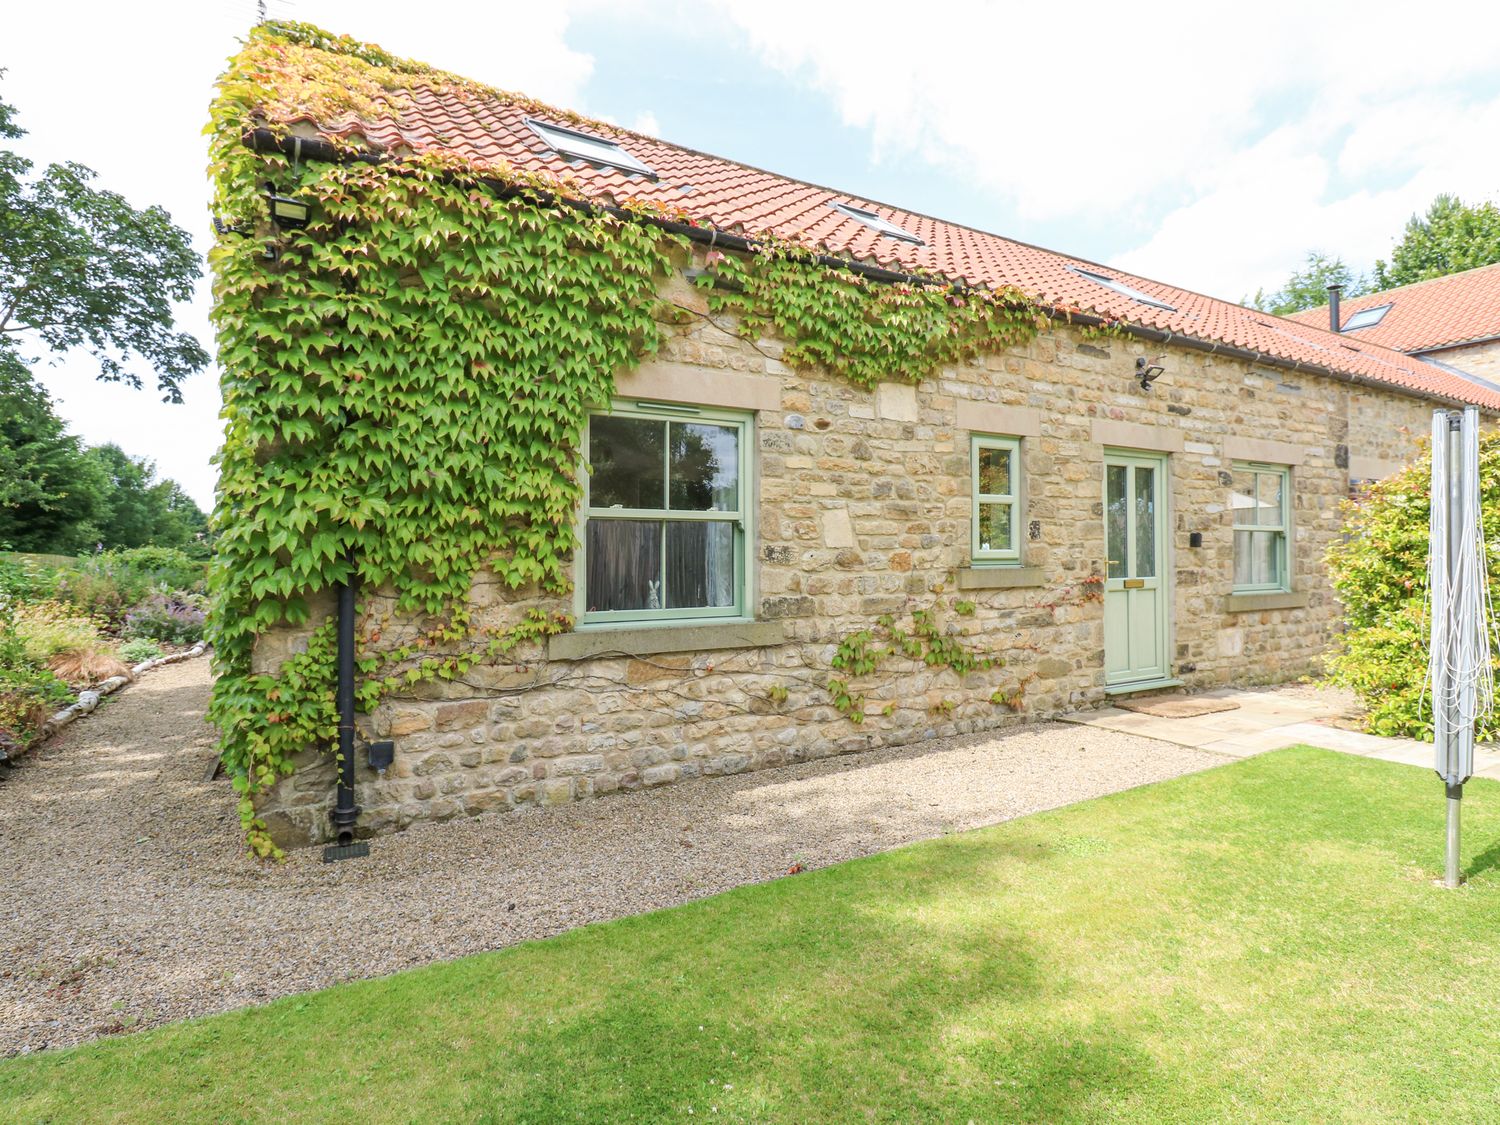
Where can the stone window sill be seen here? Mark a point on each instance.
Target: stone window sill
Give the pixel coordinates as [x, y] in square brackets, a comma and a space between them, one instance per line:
[637, 641]
[999, 577]
[1254, 603]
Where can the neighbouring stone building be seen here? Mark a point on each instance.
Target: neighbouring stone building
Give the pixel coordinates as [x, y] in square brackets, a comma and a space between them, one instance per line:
[1104, 515]
[1451, 321]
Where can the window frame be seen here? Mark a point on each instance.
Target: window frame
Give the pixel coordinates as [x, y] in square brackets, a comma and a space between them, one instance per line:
[877, 222]
[742, 520]
[1014, 499]
[555, 137]
[1114, 284]
[1373, 316]
[1283, 584]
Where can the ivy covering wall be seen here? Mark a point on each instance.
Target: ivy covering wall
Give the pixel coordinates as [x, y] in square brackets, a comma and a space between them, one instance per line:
[406, 380]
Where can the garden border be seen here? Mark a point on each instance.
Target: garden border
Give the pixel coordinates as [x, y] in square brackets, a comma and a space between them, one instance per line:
[88, 700]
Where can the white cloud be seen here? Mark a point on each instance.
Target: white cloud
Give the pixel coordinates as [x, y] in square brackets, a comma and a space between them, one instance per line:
[1259, 213]
[1213, 133]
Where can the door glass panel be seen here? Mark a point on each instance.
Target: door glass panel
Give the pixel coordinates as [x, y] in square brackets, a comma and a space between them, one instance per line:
[1145, 522]
[994, 527]
[994, 472]
[705, 467]
[700, 564]
[1114, 519]
[624, 565]
[626, 463]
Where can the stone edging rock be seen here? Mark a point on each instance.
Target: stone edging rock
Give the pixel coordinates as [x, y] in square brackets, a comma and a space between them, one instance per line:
[88, 700]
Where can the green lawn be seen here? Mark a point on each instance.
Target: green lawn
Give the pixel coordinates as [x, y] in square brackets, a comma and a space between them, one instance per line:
[1260, 942]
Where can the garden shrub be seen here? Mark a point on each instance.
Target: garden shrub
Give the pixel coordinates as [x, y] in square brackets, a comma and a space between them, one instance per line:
[29, 691]
[1379, 569]
[138, 569]
[174, 619]
[25, 578]
[106, 585]
[55, 635]
[139, 649]
[48, 629]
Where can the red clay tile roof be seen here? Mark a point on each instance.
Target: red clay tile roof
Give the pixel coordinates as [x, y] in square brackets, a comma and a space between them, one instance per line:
[1425, 315]
[489, 131]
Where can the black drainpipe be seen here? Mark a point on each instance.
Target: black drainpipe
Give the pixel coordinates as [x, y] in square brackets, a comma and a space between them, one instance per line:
[1334, 319]
[345, 811]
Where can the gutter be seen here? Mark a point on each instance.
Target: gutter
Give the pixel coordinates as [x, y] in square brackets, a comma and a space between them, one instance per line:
[1425, 352]
[266, 140]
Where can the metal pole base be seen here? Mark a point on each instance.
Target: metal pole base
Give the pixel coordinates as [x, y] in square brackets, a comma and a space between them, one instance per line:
[1451, 878]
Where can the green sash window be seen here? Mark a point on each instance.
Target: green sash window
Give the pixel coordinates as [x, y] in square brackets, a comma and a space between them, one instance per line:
[1260, 498]
[665, 516]
[996, 492]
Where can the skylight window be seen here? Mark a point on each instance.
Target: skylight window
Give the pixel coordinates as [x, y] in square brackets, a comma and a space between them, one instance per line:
[1366, 318]
[876, 223]
[584, 146]
[1122, 288]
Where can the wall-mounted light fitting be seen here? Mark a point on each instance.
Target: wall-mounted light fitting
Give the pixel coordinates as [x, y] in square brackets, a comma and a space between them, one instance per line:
[286, 212]
[1149, 370]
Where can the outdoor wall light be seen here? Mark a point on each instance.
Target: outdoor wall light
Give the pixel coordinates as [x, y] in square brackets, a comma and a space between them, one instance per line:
[286, 212]
[1149, 370]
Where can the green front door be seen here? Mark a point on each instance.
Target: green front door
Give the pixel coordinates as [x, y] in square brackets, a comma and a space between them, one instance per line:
[1136, 592]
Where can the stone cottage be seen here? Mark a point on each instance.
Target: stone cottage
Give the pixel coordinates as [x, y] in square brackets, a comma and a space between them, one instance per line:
[1101, 514]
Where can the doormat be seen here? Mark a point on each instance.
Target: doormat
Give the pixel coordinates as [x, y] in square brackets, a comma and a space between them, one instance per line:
[1178, 706]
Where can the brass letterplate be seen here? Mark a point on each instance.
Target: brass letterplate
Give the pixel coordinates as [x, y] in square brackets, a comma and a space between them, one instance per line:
[1134, 583]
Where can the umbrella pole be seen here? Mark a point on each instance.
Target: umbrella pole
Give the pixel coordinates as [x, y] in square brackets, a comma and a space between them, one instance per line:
[1455, 807]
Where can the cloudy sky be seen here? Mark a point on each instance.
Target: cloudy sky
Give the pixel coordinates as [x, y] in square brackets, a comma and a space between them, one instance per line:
[1211, 151]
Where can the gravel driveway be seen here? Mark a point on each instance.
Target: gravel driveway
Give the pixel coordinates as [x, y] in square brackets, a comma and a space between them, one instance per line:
[126, 899]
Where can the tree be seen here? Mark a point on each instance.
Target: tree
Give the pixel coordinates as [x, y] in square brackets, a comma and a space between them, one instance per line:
[56, 497]
[81, 268]
[138, 510]
[1452, 237]
[50, 490]
[1307, 288]
[182, 523]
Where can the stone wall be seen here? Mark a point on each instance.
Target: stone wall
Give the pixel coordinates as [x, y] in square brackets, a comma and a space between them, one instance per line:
[1477, 359]
[863, 510]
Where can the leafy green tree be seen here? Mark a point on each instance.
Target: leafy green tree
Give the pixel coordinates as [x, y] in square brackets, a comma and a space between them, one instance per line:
[181, 523]
[50, 490]
[139, 510]
[1452, 237]
[1307, 288]
[81, 268]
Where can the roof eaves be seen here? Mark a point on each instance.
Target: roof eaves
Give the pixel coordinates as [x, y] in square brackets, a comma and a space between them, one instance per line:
[268, 139]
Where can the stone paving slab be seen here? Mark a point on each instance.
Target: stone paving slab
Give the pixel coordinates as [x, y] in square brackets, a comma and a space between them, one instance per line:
[1266, 720]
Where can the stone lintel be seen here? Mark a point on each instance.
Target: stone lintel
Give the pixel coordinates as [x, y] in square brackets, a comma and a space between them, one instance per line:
[1264, 450]
[1134, 435]
[991, 418]
[659, 381]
